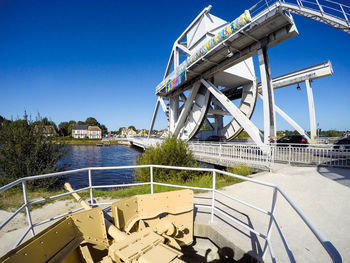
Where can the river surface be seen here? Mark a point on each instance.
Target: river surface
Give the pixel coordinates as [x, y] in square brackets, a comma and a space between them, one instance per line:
[82, 156]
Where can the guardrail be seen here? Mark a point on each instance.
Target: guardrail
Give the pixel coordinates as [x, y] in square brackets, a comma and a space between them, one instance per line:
[228, 154]
[214, 210]
[264, 157]
[329, 7]
[313, 155]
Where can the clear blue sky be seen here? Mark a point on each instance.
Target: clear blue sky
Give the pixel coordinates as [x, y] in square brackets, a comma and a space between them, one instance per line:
[69, 60]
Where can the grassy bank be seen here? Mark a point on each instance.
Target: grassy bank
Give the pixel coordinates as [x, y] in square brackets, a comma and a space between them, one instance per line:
[73, 141]
[12, 199]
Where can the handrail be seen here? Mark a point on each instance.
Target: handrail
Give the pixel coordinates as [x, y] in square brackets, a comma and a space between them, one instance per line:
[341, 10]
[327, 245]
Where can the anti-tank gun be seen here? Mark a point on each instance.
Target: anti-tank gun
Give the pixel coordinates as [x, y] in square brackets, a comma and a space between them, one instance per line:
[145, 228]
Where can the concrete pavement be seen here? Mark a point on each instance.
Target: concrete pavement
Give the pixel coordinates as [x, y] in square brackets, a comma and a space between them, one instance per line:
[324, 201]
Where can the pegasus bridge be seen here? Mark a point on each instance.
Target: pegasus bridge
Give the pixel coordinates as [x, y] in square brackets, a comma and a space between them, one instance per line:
[210, 71]
[216, 69]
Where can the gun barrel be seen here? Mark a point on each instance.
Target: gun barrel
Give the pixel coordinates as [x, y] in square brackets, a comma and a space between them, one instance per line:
[112, 230]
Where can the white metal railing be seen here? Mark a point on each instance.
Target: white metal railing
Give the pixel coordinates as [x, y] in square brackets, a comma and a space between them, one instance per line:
[214, 210]
[226, 153]
[330, 8]
[266, 156]
[312, 155]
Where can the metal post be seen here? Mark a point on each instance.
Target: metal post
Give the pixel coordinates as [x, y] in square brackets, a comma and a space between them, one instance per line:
[151, 178]
[312, 115]
[320, 7]
[289, 153]
[213, 198]
[29, 218]
[268, 96]
[267, 5]
[90, 188]
[268, 235]
[345, 16]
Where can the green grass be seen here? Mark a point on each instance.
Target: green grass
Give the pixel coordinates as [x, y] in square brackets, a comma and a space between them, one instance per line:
[12, 199]
[69, 140]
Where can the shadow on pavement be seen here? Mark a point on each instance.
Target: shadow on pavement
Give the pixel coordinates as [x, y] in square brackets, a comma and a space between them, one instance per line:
[340, 175]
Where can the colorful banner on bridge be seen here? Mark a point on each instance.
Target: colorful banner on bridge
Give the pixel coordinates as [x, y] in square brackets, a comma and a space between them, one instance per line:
[179, 75]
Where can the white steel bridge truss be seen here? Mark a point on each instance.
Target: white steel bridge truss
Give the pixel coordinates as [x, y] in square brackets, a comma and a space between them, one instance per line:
[226, 72]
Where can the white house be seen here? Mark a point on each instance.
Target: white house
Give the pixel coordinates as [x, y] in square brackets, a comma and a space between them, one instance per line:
[94, 132]
[84, 131]
[80, 131]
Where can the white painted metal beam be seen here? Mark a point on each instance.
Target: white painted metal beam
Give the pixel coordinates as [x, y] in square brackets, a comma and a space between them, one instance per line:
[174, 54]
[162, 103]
[285, 116]
[185, 49]
[154, 117]
[243, 120]
[312, 115]
[186, 109]
[218, 112]
[268, 96]
[314, 72]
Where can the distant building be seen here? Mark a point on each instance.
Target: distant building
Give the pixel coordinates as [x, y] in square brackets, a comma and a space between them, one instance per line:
[80, 131]
[48, 130]
[128, 132]
[143, 132]
[94, 132]
[84, 131]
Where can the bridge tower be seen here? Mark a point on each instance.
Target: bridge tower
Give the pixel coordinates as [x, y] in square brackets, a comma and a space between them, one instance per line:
[210, 75]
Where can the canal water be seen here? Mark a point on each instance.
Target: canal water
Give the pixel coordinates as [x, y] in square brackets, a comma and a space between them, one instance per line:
[82, 156]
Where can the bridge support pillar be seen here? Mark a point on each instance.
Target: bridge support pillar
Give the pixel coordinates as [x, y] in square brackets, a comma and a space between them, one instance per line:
[312, 115]
[219, 121]
[173, 112]
[268, 96]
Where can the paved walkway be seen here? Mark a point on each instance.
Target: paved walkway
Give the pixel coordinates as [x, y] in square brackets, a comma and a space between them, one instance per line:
[325, 201]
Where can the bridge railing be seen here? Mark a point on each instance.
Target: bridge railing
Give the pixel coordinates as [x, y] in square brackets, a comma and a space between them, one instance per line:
[215, 211]
[313, 155]
[229, 154]
[329, 7]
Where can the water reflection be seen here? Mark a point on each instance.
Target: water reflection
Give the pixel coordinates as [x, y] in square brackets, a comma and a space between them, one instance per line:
[81, 156]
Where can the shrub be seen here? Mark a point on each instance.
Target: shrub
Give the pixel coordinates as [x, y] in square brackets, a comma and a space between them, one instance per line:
[26, 151]
[172, 152]
[241, 169]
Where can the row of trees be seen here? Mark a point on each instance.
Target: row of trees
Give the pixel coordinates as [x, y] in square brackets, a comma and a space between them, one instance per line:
[65, 128]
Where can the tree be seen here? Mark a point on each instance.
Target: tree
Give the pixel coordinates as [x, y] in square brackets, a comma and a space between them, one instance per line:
[1, 120]
[104, 129]
[120, 130]
[131, 127]
[26, 151]
[63, 128]
[70, 126]
[90, 121]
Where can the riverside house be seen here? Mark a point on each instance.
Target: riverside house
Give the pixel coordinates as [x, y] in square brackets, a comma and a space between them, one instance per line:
[79, 131]
[84, 131]
[94, 132]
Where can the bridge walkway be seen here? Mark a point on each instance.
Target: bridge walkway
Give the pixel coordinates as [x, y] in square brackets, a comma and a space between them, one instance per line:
[332, 13]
